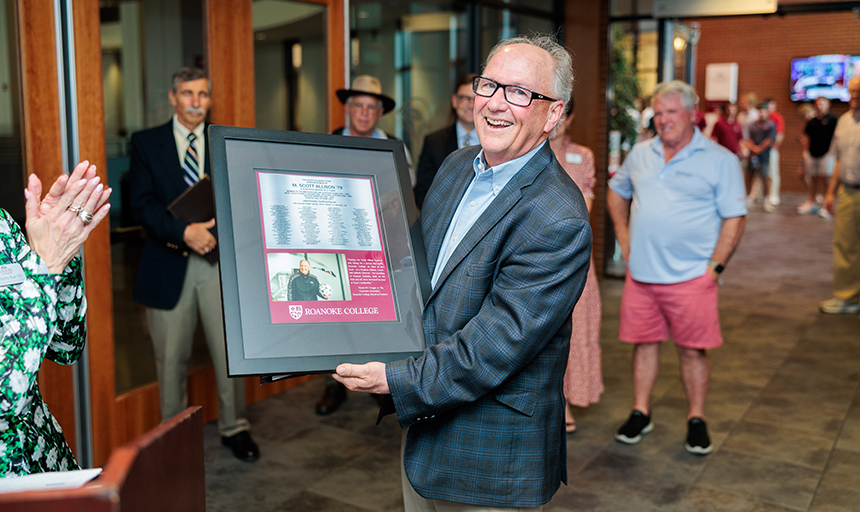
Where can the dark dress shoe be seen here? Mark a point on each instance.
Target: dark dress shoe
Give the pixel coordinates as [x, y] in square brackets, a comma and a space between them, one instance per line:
[335, 394]
[244, 448]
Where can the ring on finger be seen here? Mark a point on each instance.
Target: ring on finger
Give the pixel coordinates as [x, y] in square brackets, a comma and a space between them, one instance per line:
[85, 216]
[76, 209]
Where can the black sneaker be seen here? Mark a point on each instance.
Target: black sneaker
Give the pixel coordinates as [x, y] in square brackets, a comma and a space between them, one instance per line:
[637, 425]
[698, 442]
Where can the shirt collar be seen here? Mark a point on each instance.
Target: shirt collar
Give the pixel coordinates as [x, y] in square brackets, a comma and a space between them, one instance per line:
[377, 133]
[697, 143]
[182, 130]
[503, 172]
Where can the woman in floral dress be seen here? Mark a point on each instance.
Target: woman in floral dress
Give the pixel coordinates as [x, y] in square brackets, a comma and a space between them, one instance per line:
[583, 378]
[42, 310]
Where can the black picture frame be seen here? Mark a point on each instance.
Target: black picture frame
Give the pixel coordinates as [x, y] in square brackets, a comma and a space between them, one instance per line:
[257, 344]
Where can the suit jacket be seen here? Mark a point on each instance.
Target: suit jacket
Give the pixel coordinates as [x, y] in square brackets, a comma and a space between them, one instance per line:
[156, 180]
[437, 146]
[484, 404]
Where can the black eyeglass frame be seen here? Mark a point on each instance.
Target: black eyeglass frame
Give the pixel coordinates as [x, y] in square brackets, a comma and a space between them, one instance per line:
[503, 87]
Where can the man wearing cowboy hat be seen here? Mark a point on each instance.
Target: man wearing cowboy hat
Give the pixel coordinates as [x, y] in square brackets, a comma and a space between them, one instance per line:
[365, 105]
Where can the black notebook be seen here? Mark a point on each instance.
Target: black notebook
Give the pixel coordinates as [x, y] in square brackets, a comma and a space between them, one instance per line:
[196, 204]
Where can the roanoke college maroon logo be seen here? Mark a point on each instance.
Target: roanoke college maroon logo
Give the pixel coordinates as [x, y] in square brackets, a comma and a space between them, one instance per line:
[296, 311]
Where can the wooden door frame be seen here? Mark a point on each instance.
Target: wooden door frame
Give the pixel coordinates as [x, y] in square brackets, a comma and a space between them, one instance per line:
[43, 157]
[119, 418]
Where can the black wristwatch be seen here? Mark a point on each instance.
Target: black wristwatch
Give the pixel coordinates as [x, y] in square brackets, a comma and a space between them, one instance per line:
[718, 267]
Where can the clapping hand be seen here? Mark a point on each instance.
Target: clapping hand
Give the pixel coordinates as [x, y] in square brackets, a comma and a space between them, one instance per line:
[59, 224]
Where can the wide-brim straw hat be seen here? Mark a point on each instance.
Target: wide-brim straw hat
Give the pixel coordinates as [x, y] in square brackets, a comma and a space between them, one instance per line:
[369, 85]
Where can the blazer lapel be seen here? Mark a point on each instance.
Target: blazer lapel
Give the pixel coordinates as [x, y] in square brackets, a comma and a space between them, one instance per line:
[168, 160]
[439, 223]
[501, 205]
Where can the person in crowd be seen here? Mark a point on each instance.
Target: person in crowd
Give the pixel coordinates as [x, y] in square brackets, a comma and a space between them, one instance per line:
[748, 113]
[365, 106]
[843, 201]
[773, 168]
[304, 285]
[818, 161]
[646, 128]
[583, 379]
[508, 246]
[727, 131]
[677, 204]
[175, 282]
[442, 143]
[635, 113]
[42, 313]
[761, 139]
[746, 117]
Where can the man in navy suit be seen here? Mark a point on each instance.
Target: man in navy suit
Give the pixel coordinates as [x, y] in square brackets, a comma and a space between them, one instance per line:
[508, 243]
[174, 281]
[438, 145]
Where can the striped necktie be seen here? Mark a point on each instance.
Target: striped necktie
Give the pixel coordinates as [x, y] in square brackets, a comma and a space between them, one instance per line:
[189, 164]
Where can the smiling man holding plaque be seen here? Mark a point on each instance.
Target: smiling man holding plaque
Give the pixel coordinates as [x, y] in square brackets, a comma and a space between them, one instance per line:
[508, 244]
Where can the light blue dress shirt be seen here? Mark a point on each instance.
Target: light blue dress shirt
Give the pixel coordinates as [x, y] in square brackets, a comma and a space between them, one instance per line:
[488, 183]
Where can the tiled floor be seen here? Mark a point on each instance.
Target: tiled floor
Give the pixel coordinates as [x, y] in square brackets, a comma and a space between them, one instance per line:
[783, 410]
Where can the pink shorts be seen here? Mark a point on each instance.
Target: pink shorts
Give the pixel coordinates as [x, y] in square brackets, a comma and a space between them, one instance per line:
[689, 309]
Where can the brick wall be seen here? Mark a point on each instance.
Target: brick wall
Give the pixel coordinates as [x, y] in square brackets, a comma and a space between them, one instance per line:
[763, 48]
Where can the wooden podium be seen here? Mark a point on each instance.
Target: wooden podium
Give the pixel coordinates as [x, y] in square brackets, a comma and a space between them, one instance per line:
[161, 470]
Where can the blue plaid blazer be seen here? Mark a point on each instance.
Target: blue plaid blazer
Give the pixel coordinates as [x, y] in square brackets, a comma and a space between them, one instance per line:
[484, 403]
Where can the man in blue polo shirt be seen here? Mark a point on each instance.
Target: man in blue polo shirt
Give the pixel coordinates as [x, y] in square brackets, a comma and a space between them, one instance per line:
[678, 207]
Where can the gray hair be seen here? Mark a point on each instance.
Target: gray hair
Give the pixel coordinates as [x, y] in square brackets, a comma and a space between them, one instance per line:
[187, 74]
[688, 96]
[562, 83]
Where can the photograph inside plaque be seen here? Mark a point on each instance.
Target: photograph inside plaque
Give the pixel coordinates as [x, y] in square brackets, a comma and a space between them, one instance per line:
[321, 256]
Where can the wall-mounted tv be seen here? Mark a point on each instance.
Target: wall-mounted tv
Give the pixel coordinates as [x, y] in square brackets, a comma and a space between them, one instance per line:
[823, 76]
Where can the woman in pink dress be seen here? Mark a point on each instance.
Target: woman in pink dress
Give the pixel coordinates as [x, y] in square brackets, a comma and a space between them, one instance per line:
[583, 379]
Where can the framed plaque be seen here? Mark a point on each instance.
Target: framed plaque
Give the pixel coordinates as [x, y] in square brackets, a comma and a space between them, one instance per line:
[322, 260]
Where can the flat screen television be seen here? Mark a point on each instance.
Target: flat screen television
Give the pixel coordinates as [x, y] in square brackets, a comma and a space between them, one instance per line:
[822, 76]
[852, 67]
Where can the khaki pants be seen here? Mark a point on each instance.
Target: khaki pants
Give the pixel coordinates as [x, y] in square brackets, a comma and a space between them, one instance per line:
[414, 502]
[773, 174]
[846, 245]
[172, 332]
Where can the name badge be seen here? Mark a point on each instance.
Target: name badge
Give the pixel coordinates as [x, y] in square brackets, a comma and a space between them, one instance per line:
[11, 273]
[573, 158]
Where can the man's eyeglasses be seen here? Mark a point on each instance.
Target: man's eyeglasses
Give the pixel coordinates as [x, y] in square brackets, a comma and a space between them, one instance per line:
[464, 99]
[371, 107]
[514, 94]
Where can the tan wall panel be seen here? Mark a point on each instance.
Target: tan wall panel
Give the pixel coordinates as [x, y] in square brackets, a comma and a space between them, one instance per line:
[230, 61]
[586, 25]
